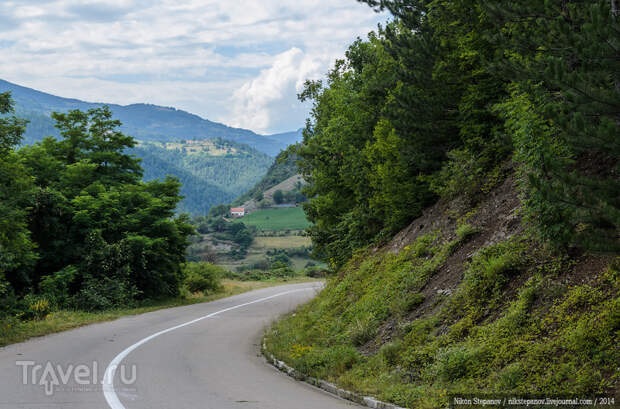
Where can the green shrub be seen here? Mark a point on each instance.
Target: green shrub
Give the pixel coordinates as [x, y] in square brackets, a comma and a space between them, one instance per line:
[203, 277]
[9, 304]
[315, 272]
[56, 287]
[36, 307]
[363, 330]
[464, 231]
[456, 362]
[467, 174]
[486, 277]
[105, 293]
[280, 269]
[391, 352]
[408, 302]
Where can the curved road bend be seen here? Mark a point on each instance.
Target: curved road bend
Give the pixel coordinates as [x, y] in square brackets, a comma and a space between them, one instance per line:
[213, 363]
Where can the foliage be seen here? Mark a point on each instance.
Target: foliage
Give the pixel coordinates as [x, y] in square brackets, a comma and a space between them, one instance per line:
[564, 114]
[388, 117]
[278, 196]
[435, 102]
[512, 326]
[203, 277]
[207, 179]
[444, 102]
[282, 168]
[85, 232]
[16, 248]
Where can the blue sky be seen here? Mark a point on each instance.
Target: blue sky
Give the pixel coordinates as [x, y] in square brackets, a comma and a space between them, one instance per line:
[240, 62]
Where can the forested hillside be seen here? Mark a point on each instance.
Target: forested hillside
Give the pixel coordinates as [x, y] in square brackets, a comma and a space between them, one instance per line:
[142, 121]
[284, 167]
[463, 175]
[208, 177]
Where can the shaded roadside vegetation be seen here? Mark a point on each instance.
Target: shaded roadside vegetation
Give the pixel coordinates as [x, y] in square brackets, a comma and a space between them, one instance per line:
[13, 331]
[82, 238]
[79, 228]
[462, 169]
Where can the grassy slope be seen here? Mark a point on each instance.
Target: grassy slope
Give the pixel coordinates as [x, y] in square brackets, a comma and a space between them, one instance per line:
[461, 304]
[65, 320]
[278, 219]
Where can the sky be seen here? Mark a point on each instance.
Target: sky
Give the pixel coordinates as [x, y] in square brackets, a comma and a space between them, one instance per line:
[240, 62]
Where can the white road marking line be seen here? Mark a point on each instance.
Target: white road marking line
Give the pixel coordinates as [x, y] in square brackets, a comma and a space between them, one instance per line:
[108, 379]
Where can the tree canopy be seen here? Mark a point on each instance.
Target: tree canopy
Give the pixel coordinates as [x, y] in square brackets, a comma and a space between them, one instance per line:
[83, 229]
[434, 103]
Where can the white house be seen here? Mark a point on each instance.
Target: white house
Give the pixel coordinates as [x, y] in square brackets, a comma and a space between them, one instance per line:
[237, 211]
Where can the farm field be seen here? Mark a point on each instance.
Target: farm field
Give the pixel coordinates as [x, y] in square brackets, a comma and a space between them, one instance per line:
[292, 218]
[285, 242]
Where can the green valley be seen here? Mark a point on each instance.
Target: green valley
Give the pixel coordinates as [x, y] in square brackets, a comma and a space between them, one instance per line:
[212, 171]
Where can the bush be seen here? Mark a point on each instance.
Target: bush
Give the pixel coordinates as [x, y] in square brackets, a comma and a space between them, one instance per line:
[278, 196]
[38, 307]
[466, 174]
[456, 362]
[9, 305]
[105, 293]
[464, 231]
[203, 277]
[315, 272]
[56, 287]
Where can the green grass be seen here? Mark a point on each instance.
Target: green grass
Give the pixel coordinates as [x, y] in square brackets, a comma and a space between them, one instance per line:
[512, 326]
[58, 321]
[278, 219]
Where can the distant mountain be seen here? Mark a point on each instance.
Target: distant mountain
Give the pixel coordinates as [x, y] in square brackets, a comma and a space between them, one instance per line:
[214, 162]
[284, 168]
[288, 138]
[212, 171]
[142, 121]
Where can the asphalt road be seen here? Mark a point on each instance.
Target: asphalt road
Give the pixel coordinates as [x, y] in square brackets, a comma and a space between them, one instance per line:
[164, 361]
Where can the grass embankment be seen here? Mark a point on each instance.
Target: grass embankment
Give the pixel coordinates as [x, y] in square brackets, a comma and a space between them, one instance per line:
[292, 218]
[521, 319]
[68, 319]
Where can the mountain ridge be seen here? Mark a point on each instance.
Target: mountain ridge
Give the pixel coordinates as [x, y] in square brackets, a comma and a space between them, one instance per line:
[143, 121]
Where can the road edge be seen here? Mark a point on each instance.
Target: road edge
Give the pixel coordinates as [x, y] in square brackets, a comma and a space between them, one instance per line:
[330, 388]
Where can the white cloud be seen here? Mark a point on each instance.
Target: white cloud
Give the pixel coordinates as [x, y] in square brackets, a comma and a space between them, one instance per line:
[257, 103]
[247, 57]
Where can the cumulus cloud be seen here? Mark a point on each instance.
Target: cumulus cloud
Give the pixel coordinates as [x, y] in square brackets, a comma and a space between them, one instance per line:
[261, 101]
[238, 61]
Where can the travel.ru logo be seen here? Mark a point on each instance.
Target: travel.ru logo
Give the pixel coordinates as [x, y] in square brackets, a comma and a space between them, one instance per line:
[71, 377]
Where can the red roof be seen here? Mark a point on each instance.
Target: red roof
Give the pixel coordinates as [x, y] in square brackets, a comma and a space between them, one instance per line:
[237, 209]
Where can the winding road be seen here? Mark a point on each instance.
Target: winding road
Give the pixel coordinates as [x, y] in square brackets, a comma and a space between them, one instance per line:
[204, 356]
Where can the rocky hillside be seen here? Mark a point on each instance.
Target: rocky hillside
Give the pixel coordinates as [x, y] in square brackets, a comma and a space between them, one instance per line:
[463, 300]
